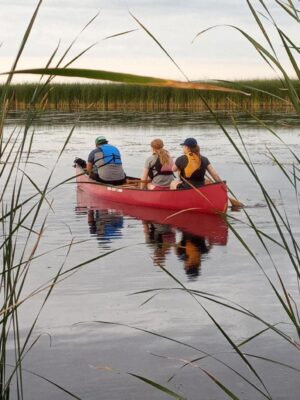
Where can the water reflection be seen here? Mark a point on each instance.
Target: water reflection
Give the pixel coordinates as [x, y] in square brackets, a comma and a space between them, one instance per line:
[188, 236]
[148, 118]
[105, 225]
[190, 250]
[161, 238]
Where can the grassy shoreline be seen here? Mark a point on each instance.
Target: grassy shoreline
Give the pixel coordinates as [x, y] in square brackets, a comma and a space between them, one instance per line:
[267, 95]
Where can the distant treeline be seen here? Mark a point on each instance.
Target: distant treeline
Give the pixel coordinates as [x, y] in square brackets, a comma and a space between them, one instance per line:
[265, 95]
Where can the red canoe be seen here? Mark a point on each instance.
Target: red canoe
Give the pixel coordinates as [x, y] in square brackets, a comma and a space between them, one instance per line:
[212, 227]
[209, 199]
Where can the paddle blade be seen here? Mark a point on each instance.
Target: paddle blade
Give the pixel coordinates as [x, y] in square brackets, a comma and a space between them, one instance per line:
[235, 203]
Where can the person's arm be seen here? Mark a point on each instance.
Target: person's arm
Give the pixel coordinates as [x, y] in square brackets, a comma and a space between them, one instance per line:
[176, 169]
[90, 162]
[213, 173]
[178, 166]
[89, 168]
[144, 178]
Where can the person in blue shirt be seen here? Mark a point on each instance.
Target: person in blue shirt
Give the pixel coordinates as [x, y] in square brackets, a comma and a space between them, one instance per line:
[104, 163]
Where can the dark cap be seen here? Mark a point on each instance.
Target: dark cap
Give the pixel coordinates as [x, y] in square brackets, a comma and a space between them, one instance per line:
[189, 142]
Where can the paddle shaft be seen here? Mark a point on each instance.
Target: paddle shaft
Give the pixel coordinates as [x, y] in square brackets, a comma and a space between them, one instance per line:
[137, 181]
[234, 202]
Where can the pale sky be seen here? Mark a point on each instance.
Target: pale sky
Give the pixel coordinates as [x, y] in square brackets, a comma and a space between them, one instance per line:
[218, 54]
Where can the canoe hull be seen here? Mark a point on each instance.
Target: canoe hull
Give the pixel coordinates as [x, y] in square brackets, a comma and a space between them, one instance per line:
[209, 199]
[213, 227]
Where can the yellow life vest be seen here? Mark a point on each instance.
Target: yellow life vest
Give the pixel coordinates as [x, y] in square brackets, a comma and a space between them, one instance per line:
[194, 163]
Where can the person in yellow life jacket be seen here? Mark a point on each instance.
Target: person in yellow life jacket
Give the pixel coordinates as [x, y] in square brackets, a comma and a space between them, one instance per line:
[192, 167]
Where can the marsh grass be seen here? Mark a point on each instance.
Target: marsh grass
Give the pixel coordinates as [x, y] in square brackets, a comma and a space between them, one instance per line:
[23, 220]
[285, 237]
[268, 95]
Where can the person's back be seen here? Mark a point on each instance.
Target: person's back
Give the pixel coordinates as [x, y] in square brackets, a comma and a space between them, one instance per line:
[108, 162]
[158, 167]
[105, 164]
[192, 167]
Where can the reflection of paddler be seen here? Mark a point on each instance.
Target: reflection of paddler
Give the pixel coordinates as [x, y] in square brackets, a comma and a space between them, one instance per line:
[105, 224]
[190, 250]
[162, 237]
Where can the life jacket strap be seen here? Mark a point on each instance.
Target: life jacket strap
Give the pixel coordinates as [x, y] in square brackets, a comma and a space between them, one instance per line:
[155, 170]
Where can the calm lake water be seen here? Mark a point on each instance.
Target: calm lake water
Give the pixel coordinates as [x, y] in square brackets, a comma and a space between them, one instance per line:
[94, 360]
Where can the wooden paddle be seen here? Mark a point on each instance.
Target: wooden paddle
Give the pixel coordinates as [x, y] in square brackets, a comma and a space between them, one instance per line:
[234, 202]
[137, 181]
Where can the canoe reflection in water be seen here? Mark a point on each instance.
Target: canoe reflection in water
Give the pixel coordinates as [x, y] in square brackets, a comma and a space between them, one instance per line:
[189, 250]
[198, 232]
[105, 224]
[161, 238]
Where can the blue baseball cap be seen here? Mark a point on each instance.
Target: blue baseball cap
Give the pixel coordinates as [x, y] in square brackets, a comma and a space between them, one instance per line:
[189, 142]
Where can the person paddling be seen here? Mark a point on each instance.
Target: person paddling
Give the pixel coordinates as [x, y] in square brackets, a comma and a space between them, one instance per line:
[192, 167]
[158, 167]
[105, 164]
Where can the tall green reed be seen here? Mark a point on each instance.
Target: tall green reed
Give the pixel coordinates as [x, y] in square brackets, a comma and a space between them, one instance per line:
[285, 237]
[23, 221]
[265, 95]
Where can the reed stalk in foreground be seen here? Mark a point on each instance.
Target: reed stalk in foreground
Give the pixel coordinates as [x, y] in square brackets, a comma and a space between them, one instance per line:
[285, 238]
[23, 220]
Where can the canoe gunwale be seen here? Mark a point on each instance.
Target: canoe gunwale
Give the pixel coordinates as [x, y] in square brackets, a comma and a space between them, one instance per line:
[94, 182]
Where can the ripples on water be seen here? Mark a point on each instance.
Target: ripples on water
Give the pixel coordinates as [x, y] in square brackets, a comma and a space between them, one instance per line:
[157, 119]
